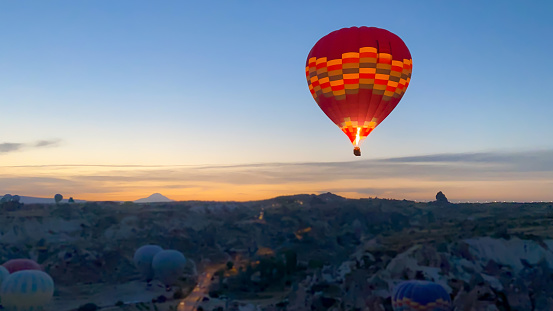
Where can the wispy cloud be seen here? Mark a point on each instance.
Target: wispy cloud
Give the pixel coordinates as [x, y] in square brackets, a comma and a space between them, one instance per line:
[520, 161]
[526, 175]
[8, 147]
[11, 147]
[47, 143]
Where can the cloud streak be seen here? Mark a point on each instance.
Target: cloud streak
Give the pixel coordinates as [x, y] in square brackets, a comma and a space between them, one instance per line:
[46, 143]
[12, 147]
[541, 160]
[523, 175]
[9, 147]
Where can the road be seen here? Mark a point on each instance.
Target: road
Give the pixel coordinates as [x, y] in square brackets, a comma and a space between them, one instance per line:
[132, 293]
[193, 300]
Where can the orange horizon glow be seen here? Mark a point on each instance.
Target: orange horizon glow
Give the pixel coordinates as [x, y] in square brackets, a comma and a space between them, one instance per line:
[467, 191]
[410, 179]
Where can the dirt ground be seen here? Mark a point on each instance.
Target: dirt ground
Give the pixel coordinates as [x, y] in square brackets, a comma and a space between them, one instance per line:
[106, 295]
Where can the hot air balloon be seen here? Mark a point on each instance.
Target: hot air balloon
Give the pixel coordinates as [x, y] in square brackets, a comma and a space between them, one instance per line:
[143, 260]
[357, 76]
[4, 273]
[19, 264]
[27, 290]
[420, 295]
[168, 266]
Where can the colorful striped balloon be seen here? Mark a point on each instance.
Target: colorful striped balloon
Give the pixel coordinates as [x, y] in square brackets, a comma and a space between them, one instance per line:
[4, 273]
[26, 290]
[420, 296]
[19, 264]
[357, 76]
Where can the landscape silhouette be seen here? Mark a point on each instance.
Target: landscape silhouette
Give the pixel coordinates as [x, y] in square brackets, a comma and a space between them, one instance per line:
[198, 156]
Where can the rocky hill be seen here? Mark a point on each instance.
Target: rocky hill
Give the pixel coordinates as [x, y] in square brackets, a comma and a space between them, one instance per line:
[300, 252]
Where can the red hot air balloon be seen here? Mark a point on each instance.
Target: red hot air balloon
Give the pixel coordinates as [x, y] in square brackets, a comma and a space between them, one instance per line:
[357, 76]
[20, 264]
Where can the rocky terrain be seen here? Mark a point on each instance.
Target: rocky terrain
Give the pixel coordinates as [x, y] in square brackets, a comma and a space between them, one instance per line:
[302, 252]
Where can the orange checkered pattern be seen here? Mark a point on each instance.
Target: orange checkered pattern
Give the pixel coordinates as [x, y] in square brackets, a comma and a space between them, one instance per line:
[357, 76]
[365, 69]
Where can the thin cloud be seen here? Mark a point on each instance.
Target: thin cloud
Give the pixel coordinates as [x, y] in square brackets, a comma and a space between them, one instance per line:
[11, 147]
[376, 191]
[406, 177]
[463, 166]
[530, 161]
[47, 143]
[475, 157]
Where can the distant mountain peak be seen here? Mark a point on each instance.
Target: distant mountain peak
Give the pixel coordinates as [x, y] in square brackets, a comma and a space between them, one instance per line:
[156, 197]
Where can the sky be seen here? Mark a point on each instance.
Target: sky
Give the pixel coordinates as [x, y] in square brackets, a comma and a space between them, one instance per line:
[115, 100]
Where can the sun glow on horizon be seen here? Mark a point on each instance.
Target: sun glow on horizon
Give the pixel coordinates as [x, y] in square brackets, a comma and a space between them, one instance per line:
[265, 181]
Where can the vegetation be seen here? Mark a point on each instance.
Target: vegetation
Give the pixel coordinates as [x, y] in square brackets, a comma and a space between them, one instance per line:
[297, 236]
[88, 307]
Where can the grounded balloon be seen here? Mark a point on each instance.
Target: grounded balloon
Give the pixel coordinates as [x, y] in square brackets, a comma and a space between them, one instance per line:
[15, 265]
[143, 260]
[26, 290]
[420, 295]
[4, 273]
[168, 266]
[357, 76]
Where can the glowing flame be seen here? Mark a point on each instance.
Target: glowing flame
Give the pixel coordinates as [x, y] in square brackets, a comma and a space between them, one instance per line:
[357, 137]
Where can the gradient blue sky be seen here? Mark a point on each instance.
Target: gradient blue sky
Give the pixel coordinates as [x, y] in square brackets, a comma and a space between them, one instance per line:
[222, 83]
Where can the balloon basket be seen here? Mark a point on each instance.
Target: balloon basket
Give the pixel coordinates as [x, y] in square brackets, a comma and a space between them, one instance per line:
[357, 151]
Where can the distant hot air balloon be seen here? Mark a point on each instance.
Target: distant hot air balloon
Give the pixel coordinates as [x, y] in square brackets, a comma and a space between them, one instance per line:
[58, 197]
[143, 260]
[19, 264]
[357, 76]
[168, 266]
[420, 295]
[28, 290]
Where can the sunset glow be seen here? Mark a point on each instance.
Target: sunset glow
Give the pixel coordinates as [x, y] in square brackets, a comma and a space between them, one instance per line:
[210, 102]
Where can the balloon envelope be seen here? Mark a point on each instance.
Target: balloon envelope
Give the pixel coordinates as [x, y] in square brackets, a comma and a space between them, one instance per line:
[357, 76]
[143, 260]
[26, 290]
[420, 295]
[19, 264]
[168, 266]
[4, 273]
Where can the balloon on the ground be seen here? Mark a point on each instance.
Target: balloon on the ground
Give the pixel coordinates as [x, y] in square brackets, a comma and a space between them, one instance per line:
[420, 295]
[19, 264]
[143, 258]
[357, 76]
[4, 273]
[168, 266]
[26, 290]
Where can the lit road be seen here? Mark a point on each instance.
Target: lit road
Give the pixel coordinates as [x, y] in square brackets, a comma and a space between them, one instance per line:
[193, 300]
